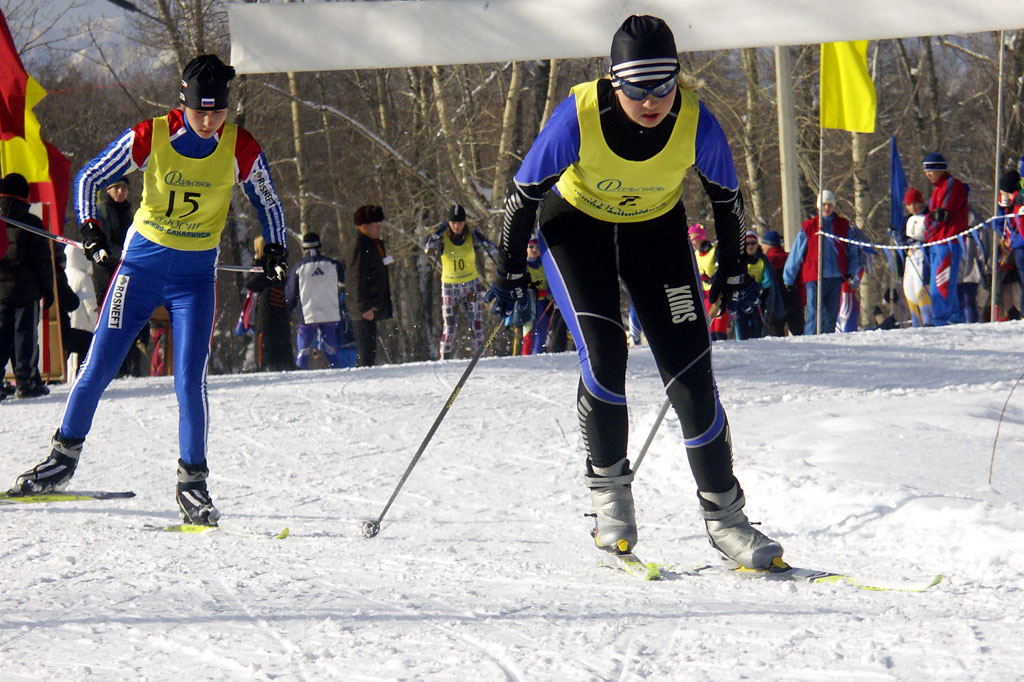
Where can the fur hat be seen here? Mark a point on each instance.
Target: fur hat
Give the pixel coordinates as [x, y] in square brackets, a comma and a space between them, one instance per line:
[367, 214]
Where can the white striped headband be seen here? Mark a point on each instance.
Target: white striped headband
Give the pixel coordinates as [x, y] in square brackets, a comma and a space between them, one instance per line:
[645, 70]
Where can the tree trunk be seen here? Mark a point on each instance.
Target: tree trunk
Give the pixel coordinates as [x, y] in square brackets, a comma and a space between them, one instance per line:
[871, 286]
[297, 142]
[751, 146]
[508, 122]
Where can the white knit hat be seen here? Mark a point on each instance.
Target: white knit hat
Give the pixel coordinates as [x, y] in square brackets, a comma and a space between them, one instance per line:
[826, 198]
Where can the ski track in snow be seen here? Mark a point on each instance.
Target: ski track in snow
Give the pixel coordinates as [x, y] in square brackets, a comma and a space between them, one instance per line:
[866, 453]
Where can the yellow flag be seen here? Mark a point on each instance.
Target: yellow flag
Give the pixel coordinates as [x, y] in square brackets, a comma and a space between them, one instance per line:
[26, 153]
[848, 98]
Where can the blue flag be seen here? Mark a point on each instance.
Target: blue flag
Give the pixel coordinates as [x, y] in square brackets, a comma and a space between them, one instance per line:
[897, 187]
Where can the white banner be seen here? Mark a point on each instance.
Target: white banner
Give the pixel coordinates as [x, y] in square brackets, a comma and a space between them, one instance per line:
[315, 36]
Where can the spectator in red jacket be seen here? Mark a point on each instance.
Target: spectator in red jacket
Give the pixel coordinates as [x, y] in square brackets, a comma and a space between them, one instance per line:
[946, 217]
[771, 242]
[840, 263]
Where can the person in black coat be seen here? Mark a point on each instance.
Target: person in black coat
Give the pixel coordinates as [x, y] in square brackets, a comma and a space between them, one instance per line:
[115, 216]
[26, 277]
[273, 328]
[368, 288]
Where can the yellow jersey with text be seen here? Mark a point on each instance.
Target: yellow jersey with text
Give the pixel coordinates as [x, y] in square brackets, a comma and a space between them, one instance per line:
[185, 201]
[608, 187]
[458, 261]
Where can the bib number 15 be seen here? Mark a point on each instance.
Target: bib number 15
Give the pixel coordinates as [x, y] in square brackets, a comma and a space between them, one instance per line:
[190, 198]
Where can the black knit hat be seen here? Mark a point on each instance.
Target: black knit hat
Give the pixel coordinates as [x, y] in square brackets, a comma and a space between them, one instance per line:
[15, 185]
[456, 214]
[206, 83]
[311, 240]
[1009, 182]
[644, 51]
[123, 180]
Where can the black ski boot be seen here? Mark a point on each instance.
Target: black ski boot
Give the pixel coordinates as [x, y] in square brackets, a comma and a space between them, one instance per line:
[54, 473]
[193, 498]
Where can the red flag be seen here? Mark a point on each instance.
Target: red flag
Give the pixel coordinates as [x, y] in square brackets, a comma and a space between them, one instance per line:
[22, 150]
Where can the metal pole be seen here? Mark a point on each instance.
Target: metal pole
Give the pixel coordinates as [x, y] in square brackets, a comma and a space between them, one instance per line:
[995, 202]
[821, 189]
[372, 527]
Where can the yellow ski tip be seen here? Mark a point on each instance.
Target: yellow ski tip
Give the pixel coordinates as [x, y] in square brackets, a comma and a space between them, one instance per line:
[190, 528]
[282, 535]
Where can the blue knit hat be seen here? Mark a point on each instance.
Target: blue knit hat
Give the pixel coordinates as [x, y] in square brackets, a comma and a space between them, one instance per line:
[935, 161]
[1020, 166]
[771, 238]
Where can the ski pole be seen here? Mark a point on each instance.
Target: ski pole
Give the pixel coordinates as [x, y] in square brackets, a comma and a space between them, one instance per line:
[78, 245]
[42, 233]
[372, 527]
[650, 436]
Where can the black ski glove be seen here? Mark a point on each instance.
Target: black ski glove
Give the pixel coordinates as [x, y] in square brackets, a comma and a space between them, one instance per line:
[275, 262]
[95, 244]
[727, 284]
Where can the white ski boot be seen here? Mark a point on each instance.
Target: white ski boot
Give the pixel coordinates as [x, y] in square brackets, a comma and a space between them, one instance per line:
[739, 543]
[612, 500]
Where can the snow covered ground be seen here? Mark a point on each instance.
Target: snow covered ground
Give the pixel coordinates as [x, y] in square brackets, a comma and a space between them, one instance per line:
[867, 453]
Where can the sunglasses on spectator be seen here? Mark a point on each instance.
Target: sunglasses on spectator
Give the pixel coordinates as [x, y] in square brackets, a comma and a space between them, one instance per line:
[639, 92]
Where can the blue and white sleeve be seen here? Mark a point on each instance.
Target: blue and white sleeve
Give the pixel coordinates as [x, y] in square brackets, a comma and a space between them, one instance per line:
[259, 187]
[108, 165]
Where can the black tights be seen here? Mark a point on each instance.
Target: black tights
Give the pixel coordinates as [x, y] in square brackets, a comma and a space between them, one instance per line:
[584, 259]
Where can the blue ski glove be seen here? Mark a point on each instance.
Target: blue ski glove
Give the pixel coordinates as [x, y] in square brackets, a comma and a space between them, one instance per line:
[512, 299]
[745, 300]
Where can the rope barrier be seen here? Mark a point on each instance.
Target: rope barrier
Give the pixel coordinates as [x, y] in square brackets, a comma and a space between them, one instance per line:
[917, 245]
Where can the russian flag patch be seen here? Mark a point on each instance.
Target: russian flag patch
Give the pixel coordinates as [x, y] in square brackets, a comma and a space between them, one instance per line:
[207, 101]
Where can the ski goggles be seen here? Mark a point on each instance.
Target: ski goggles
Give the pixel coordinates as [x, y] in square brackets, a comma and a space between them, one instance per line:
[641, 92]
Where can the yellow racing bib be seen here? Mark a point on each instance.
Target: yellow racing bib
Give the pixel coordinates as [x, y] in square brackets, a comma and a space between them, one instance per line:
[458, 261]
[707, 266]
[185, 201]
[608, 187]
